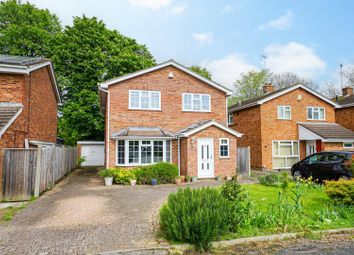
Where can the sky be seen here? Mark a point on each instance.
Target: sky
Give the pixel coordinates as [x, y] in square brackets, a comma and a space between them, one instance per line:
[309, 38]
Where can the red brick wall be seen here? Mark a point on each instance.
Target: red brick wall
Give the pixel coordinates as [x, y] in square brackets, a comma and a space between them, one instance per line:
[334, 147]
[345, 117]
[38, 120]
[171, 116]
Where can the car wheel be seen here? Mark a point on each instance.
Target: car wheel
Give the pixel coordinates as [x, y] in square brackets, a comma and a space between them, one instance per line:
[297, 174]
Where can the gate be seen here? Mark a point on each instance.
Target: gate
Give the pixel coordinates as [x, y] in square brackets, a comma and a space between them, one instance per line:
[243, 161]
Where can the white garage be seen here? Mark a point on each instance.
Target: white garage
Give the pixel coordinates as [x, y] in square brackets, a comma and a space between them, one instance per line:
[92, 151]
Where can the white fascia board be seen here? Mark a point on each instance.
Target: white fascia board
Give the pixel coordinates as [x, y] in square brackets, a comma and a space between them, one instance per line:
[344, 140]
[208, 124]
[266, 99]
[12, 120]
[169, 63]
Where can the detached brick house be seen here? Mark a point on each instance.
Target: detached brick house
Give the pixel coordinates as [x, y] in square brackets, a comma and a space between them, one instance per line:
[28, 102]
[345, 111]
[283, 126]
[168, 113]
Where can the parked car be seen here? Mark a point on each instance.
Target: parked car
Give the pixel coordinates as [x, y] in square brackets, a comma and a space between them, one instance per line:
[325, 166]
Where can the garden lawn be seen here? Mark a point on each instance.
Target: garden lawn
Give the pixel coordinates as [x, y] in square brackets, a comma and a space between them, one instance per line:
[318, 212]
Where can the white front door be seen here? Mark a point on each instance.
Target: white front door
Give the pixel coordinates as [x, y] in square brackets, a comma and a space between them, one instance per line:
[205, 158]
[310, 147]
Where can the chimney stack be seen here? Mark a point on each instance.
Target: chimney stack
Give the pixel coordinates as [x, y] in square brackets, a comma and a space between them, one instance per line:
[267, 88]
[346, 91]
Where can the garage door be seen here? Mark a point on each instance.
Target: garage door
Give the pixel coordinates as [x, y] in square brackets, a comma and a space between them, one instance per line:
[94, 154]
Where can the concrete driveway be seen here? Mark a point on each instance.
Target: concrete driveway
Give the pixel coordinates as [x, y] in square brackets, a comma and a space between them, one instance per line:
[81, 216]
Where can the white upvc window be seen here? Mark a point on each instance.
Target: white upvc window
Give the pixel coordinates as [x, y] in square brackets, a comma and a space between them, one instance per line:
[142, 152]
[230, 118]
[285, 154]
[348, 145]
[284, 112]
[224, 148]
[196, 102]
[316, 113]
[144, 100]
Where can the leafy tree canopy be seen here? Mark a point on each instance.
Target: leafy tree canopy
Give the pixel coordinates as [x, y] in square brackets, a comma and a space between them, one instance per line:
[26, 30]
[200, 70]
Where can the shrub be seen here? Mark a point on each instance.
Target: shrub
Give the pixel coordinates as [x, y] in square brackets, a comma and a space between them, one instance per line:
[341, 192]
[273, 179]
[195, 216]
[164, 173]
[123, 176]
[108, 172]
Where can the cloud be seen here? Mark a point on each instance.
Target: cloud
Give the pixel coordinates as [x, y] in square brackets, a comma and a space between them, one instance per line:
[283, 22]
[178, 9]
[203, 37]
[294, 57]
[229, 68]
[227, 8]
[151, 4]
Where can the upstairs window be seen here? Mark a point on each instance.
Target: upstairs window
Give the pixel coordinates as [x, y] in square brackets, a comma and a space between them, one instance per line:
[144, 100]
[315, 113]
[230, 118]
[284, 112]
[196, 102]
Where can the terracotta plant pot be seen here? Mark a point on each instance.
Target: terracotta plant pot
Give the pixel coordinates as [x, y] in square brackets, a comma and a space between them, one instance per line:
[178, 181]
[183, 178]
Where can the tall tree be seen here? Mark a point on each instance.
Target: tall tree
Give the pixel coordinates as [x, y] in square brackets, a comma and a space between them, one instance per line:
[26, 30]
[86, 54]
[282, 80]
[330, 90]
[200, 70]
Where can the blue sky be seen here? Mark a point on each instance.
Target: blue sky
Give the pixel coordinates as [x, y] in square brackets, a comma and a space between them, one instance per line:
[310, 38]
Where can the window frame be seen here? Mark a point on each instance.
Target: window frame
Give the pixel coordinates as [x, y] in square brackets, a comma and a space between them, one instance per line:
[282, 109]
[150, 108]
[285, 156]
[345, 147]
[230, 116]
[228, 147]
[192, 102]
[318, 108]
[126, 152]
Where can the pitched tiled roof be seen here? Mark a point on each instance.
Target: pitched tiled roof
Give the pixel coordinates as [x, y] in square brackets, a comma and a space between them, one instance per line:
[346, 101]
[193, 126]
[142, 132]
[329, 130]
[8, 114]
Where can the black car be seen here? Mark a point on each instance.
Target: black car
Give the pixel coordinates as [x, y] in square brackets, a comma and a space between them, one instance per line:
[325, 165]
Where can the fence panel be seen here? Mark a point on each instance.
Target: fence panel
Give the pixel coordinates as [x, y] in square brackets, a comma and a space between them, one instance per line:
[243, 161]
[19, 168]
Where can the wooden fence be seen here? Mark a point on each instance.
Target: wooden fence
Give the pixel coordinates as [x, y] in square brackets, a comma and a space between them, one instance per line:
[244, 161]
[28, 172]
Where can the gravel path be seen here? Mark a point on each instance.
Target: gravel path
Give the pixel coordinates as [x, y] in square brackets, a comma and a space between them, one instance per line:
[81, 216]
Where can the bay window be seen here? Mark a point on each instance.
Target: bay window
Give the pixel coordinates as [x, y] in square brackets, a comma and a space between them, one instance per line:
[143, 152]
[285, 154]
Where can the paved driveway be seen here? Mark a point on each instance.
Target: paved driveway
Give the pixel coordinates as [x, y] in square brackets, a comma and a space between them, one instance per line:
[81, 216]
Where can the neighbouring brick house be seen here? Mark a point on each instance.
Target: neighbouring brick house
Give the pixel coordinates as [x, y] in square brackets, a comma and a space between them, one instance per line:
[168, 113]
[283, 126]
[29, 99]
[345, 111]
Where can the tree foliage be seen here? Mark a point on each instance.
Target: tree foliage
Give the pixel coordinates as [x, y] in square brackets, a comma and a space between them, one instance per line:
[26, 30]
[283, 80]
[201, 71]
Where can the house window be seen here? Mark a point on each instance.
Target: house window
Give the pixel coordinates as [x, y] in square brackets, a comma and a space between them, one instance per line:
[196, 102]
[348, 145]
[144, 100]
[230, 118]
[285, 154]
[315, 113]
[143, 152]
[224, 148]
[284, 112]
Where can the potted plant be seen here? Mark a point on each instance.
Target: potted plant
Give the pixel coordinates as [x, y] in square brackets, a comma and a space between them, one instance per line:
[153, 181]
[132, 182]
[183, 178]
[188, 178]
[107, 174]
[194, 178]
[228, 178]
[178, 180]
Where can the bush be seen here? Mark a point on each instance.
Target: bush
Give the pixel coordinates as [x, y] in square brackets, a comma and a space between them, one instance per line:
[123, 176]
[105, 173]
[273, 179]
[164, 173]
[341, 192]
[195, 216]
